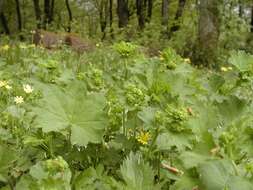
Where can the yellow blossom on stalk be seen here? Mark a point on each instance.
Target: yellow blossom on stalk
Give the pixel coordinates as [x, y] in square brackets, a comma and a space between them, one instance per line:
[19, 100]
[3, 83]
[22, 46]
[5, 47]
[143, 137]
[224, 69]
[8, 87]
[187, 60]
[27, 88]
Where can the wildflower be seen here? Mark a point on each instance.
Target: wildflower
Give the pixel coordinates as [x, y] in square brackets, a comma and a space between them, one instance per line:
[230, 68]
[33, 32]
[143, 137]
[161, 58]
[3, 83]
[18, 99]
[97, 45]
[224, 69]
[22, 46]
[5, 47]
[187, 60]
[27, 88]
[8, 87]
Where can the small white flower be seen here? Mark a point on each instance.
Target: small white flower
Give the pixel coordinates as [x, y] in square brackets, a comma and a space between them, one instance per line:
[27, 88]
[19, 100]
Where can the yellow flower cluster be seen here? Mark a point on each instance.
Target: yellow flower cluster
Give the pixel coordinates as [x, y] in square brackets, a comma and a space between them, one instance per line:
[187, 60]
[5, 47]
[143, 137]
[225, 69]
[4, 84]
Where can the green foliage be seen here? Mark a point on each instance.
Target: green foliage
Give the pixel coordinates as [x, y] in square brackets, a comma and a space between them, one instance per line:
[66, 125]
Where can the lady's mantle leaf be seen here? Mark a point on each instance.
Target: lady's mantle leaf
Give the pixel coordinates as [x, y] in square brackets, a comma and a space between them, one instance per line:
[83, 114]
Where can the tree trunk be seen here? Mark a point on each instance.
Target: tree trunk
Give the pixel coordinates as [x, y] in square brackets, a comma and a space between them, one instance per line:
[140, 13]
[150, 9]
[46, 13]
[51, 15]
[179, 13]
[123, 13]
[4, 23]
[111, 17]
[208, 32]
[19, 19]
[70, 15]
[37, 13]
[103, 15]
[241, 9]
[165, 16]
[251, 22]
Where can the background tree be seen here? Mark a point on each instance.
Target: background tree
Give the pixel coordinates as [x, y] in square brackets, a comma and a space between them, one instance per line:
[37, 13]
[208, 33]
[70, 16]
[123, 13]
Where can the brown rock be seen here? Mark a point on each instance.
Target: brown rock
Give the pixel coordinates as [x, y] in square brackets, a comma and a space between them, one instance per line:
[49, 40]
[77, 43]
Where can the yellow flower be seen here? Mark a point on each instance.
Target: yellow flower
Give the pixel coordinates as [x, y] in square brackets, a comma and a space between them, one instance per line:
[224, 69]
[143, 137]
[3, 83]
[27, 88]
[18, 99]
[187, 60]
[22, 46]
[8, 87]
[5, 47]
[97, 45]
[230, 68]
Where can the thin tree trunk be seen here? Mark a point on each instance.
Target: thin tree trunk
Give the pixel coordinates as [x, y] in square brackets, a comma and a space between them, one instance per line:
[70, 15]
[51, 15]
[240, 9]
[208, 32]
[46, 13]
[179, 13]
[19, 19]
[37, 13]
[150, 9]
[111, 17]
[165, 16]
[123, 13]
[251, 22]
[103, 15]
[4, 23]
[140, 13]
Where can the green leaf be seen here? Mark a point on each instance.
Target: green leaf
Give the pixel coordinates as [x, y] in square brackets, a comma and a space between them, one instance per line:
[7, 157]
[74, 109]
[242, 61]
[232, 108]
[185, 183]
[167, 140]
[95, 179]
[220, 174]
[136, 173]
[52, 174]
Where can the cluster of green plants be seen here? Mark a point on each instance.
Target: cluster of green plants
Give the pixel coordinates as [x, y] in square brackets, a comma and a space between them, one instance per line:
[117, 119]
